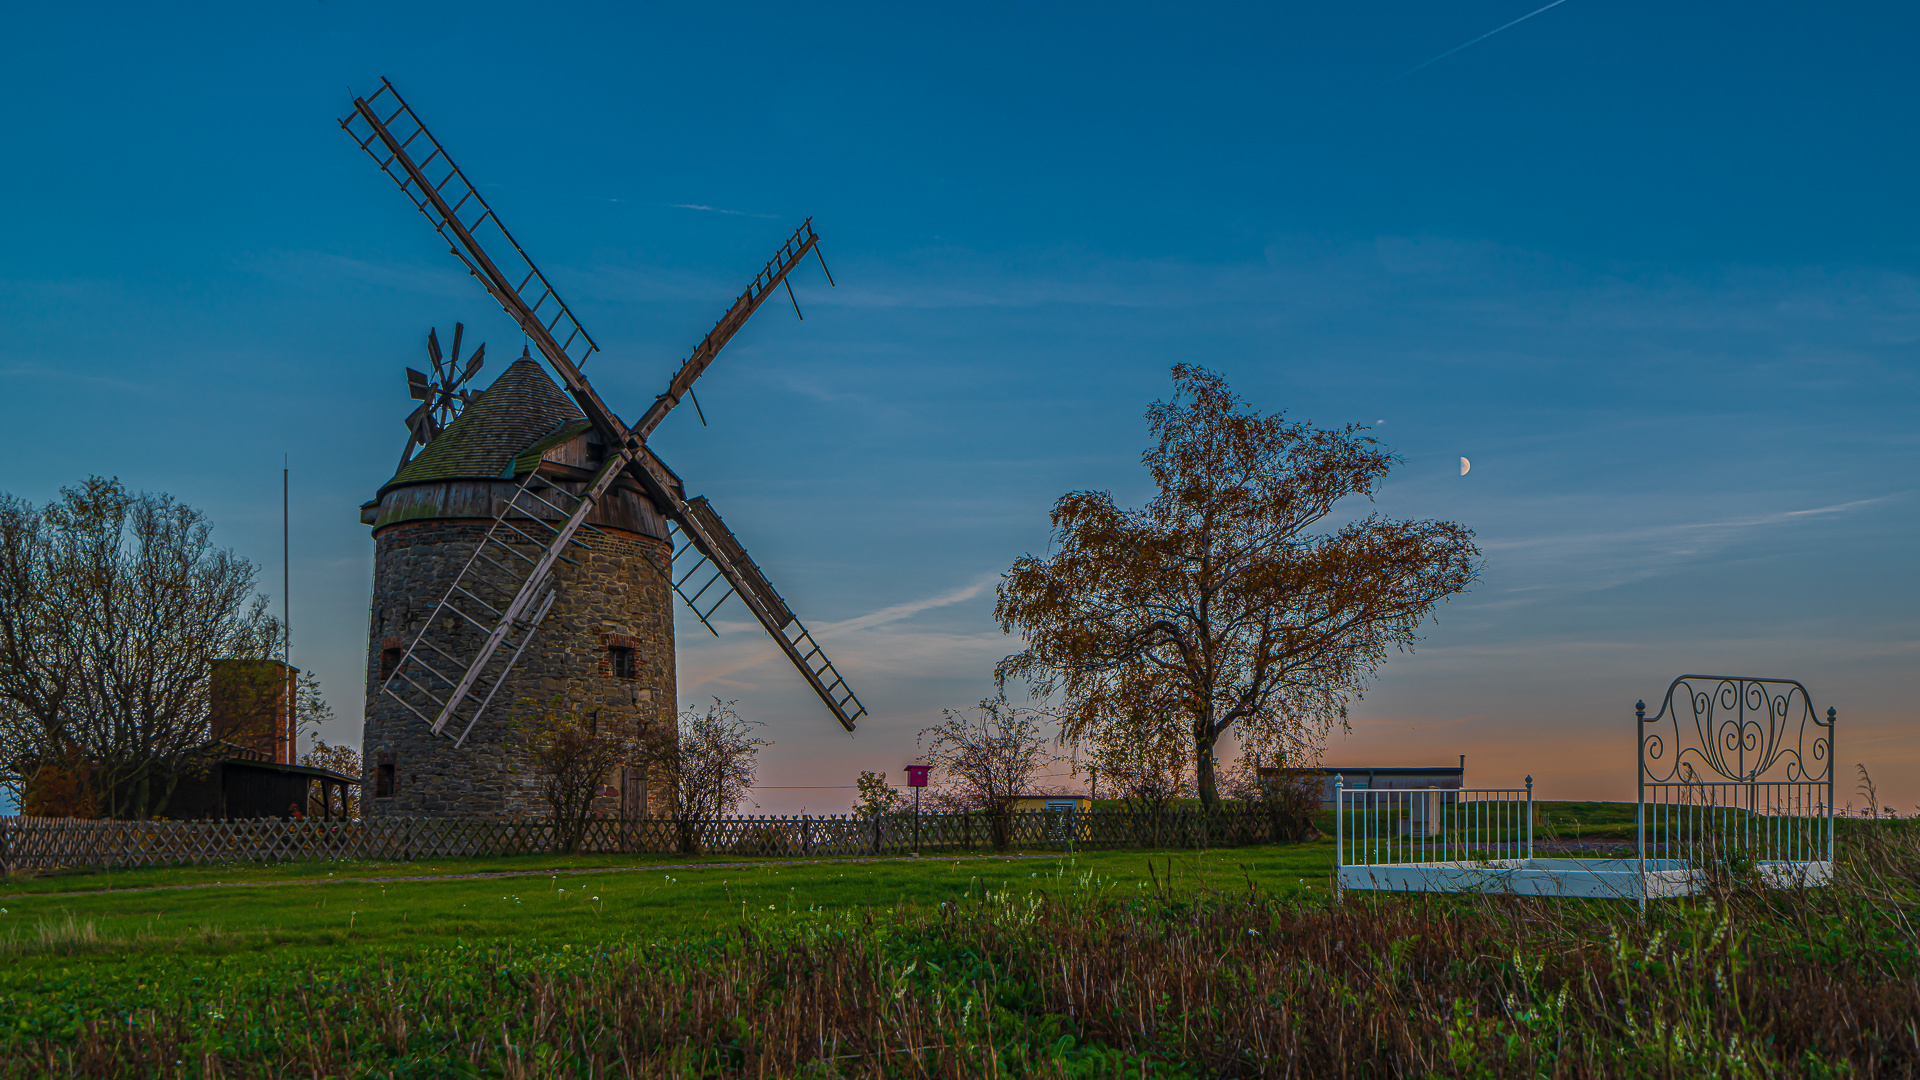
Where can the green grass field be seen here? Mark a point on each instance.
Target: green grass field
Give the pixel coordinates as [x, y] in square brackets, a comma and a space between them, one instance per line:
[76, 947]
[1178, 964]
[564, 898]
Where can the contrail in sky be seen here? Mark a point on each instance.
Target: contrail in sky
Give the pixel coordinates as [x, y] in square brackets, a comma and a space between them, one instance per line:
[1434, 60]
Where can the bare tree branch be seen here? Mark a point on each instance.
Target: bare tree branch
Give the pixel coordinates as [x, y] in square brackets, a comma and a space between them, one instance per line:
[112, 608]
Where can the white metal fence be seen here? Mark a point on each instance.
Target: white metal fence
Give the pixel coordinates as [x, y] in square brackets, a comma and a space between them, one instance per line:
[1398, 826]
[1736, 771]
[1736, 776]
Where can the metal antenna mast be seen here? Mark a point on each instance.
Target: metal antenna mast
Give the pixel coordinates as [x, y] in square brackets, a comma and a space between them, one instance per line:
[286, 603]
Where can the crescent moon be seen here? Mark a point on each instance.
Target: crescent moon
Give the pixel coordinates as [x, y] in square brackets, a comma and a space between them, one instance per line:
[1465, 466]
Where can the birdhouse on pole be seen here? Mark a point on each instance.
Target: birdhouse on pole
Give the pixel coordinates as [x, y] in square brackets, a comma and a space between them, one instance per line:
[917, 773]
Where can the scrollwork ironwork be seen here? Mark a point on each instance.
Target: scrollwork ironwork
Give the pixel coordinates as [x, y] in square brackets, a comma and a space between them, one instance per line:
[1743, 729]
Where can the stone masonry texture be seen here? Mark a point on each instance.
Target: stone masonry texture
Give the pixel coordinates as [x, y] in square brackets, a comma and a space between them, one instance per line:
[618, 594]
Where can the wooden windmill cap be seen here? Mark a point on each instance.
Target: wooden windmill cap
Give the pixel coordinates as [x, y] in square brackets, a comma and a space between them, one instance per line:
[522, 413]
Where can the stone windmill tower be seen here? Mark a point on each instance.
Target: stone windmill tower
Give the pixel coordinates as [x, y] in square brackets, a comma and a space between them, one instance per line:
[528, 555]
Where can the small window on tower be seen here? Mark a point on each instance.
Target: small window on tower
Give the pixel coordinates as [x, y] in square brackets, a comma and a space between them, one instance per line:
[389, 662]
[620, 658]
[383, 780]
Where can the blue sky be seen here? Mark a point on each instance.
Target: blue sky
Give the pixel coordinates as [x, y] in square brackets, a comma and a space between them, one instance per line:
[1655, 270]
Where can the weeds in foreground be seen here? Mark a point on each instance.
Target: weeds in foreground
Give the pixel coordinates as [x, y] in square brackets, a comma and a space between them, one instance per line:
[1174, 980]
[73, 936]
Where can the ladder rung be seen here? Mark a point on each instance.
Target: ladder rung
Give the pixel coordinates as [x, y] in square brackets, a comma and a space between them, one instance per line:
[716, 604]
[463, 591]
[564, 513]
[425, 690]
[704, 588]
[495, 563]
[511, 550]
[438, 649]
[516, 531]
[408, 706]
[471, 621]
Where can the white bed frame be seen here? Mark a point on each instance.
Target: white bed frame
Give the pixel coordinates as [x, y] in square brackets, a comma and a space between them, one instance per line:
[1733, 771]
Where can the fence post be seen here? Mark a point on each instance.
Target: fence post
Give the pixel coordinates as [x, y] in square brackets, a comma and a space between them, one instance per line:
[1832, 761]
[1640, 781]
[1529, 815]
[1339, 829]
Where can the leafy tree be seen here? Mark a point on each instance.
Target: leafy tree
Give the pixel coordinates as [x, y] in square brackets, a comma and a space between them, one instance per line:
[877, 797]
[1291, 794]
[1146, 765]
[709, 761]
[112, 608]
[310, 708]
[985, 756]
[708, 764]
[343, 759]
[575, 754]
[1223, 603]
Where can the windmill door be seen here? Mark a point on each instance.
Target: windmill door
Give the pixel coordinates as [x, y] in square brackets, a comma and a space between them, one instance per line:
[633, 793]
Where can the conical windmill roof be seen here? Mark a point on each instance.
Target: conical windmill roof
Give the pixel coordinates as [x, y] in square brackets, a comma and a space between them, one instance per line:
[523, 407]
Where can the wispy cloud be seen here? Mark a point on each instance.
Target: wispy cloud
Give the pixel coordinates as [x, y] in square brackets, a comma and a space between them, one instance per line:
[881, 647]
[306, 267]
[1543, 566]
[896, 612]
[719, 210]
[1432, 60]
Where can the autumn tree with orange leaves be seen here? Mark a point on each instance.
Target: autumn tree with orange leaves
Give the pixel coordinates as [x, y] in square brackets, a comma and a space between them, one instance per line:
[1229, 601]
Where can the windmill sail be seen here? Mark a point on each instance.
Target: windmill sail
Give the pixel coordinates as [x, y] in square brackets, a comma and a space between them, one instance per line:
[752, 578]
[746, 580]
[389, 131]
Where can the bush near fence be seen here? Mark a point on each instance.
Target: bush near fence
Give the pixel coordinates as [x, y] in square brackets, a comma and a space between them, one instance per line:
[28, 843]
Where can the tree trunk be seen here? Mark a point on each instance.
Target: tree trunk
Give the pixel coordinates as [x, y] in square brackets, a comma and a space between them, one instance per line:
[1203, 743]
[1000, 815]
[166, 795]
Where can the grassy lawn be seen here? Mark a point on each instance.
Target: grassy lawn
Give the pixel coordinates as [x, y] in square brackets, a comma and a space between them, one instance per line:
[72, 881]
[1234, 962]
[74, 949]
[1583, 821]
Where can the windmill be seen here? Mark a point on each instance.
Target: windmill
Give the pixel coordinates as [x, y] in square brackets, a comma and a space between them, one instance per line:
[441, 395]
[553, 501]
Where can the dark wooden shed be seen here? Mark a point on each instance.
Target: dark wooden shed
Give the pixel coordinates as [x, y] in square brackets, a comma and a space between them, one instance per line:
[239, 788]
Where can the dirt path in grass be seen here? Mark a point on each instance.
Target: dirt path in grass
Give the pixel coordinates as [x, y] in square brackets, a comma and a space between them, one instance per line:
[841, 861]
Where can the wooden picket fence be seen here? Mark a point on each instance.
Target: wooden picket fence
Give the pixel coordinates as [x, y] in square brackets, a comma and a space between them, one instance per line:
[28, 843]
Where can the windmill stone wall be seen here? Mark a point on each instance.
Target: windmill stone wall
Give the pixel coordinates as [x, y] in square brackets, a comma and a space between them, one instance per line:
[616, 595]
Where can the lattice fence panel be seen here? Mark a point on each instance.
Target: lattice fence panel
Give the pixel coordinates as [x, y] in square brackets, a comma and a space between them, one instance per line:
[47, 843]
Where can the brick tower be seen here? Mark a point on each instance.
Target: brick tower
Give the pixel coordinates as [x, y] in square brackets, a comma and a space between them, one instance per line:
[605, 646]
